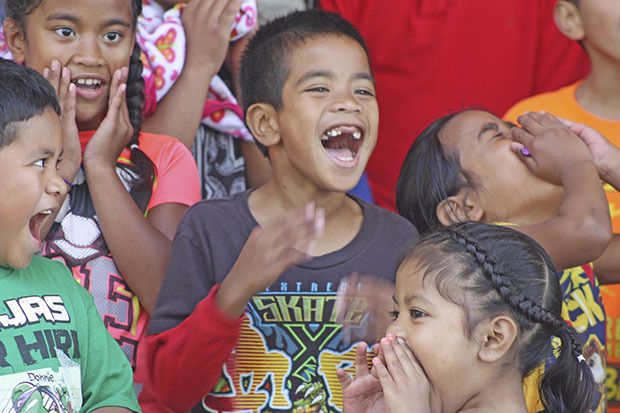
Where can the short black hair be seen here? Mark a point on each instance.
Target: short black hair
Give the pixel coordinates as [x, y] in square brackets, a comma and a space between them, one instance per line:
[24, 94]
[265, 61]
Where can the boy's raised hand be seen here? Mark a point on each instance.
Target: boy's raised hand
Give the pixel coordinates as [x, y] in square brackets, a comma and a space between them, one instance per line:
[207, 25]
[115, 131]
[547, 146]
[60, 79]
[362, 394]
[267, 253]
[405, 386]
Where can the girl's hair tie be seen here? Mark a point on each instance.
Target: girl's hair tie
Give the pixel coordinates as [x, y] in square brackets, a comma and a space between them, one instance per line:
[69, 183]
[133, 146]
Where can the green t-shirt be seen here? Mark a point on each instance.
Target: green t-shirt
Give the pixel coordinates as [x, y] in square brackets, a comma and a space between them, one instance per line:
[55, 353]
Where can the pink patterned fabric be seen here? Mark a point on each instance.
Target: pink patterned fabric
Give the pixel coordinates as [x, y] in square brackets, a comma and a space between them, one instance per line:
[162, 38]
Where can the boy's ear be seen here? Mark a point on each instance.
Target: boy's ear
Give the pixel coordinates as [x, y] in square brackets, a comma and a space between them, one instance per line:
[262, 119]
[15, 38]
[568, 20]
[464, 206]
[496, 337]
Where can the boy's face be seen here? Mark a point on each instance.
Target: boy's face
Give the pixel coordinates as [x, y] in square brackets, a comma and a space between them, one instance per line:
[329, 117]
[600, 21]
[93, 38]
[31, 186]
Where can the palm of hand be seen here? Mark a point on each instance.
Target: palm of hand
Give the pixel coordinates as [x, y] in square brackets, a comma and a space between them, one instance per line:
[364, 395]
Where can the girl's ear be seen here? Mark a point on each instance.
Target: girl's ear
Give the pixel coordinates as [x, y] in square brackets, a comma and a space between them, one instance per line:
[496, 337]
[462, 207]
[262, 119]
[568, 20]
[15, 38]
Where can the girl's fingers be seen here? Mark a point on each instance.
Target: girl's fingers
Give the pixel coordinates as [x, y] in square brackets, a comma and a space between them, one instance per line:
[382, 374]
[65, 82]
[406, 356]
[522, 136]
[344, 378]
[361, 367]
[392, 361]
[531, 122]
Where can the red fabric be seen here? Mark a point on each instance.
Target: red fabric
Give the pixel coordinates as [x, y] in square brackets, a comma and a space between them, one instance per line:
[178, 375]
[434, 56]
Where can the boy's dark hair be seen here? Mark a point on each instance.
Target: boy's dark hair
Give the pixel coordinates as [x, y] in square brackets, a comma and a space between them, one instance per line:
[428, 176]
[24, 94]
[17, 10]
[491, 270]
[265, 61]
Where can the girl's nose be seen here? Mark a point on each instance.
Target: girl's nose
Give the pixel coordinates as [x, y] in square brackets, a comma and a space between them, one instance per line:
[396, 329]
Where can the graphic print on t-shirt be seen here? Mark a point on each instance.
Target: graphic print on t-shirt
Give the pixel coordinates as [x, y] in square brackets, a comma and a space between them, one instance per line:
[291, 344]
[77, 242]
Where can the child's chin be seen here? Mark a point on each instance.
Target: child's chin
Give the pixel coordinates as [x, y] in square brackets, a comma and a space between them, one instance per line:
[23, 260]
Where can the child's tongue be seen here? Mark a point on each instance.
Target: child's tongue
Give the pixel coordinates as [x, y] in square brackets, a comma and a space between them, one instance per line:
[342, 154]
[35, 224]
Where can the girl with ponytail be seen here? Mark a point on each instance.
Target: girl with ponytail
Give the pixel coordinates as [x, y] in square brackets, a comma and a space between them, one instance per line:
[541, 179]
[129, 189]
[477, 307]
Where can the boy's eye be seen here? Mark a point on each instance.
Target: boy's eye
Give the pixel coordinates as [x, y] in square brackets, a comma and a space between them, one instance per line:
[318, 89]
[364, 92]
[65, 32]
[113, 37]
[415, 313]
[393, 315]
[40, 163]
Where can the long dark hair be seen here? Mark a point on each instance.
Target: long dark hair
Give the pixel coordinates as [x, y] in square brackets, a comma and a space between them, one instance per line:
[428, 176]
[142, 167]
[490, 270]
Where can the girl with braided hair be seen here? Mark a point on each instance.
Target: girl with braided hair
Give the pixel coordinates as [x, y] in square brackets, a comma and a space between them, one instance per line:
[129, 189]
[542, 180]
[477, 307]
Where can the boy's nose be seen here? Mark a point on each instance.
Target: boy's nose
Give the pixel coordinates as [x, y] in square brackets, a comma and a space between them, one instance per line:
[346, 104]
[56, 186]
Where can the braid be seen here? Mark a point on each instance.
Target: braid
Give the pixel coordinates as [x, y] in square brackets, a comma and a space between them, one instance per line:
[142, 165]
[509, 292]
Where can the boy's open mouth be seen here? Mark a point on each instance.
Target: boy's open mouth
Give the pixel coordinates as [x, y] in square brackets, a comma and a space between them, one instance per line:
[36, 223]
[343, 142]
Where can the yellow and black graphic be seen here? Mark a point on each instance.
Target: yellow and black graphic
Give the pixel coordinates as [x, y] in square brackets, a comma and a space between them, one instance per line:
[286, 359]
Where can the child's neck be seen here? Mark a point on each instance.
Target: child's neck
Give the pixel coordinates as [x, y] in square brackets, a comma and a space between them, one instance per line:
[505, 394]
[600, 92]
[343, 216]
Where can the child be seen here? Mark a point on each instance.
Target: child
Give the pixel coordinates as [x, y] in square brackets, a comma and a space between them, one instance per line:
[469, 168]
[278, 253]
[477, 306]
[55, 355]
[187, 47]
[116, 225]
[593, 101]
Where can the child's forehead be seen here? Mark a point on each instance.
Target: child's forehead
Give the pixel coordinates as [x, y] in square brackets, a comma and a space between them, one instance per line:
[317, 47]
[85, 9]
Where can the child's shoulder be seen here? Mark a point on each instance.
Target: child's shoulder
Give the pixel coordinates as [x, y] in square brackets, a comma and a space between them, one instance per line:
[389, 225]
[230, 211]
[547, 101]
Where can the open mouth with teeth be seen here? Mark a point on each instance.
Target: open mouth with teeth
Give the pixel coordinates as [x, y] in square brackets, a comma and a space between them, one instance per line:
[87, 83]
[343, 142]
[36, 223]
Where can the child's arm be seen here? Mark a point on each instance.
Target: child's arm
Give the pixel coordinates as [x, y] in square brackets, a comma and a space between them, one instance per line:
[607, 160]
[197, 346]
[140, 246]
[207, 26]
[581, 230]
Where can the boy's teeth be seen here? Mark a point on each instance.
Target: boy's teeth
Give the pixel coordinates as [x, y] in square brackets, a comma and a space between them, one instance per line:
[357, 135]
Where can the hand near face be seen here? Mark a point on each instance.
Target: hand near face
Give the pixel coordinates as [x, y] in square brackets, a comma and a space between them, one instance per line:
[405, 386]
[115, 131]
[267, 253]
[60, 79]
[605, 154]
[552, 148]
[207, 25]
[364, 393]
[377, 293]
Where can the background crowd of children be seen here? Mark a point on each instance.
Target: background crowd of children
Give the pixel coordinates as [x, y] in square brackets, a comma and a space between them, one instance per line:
[192, 170]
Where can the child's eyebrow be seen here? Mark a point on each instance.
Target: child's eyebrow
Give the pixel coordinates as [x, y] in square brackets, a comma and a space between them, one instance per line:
[330, 75]
[487, 127]
[62, 16]
[117, 22]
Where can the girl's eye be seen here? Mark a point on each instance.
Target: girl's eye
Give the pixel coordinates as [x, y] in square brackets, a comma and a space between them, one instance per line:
[393, 315]
[40, 163]
[415, 313]
[65, 32]
[113, 37]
